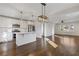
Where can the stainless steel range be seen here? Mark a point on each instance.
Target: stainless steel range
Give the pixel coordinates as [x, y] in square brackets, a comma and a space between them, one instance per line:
[16, 28]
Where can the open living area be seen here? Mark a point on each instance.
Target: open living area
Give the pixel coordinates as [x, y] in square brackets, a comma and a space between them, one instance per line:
[39, 29]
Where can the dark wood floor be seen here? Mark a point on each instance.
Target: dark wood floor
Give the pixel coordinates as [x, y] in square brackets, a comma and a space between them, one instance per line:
[8, 48]
[67, 46]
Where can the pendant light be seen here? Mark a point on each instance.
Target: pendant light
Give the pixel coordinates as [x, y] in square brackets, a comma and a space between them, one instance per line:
[21, 17]
[62, 21]
[43, 19]
[31, 22]
[62, 25]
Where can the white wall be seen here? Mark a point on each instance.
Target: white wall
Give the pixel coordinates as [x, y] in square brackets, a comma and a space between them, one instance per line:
[6, 28]
[7, 22]
[23, 25]
[49, 29]
[38, 28]
[74, 32]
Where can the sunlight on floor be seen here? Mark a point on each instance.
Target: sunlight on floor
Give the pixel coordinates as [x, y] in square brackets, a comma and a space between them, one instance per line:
[68, 43]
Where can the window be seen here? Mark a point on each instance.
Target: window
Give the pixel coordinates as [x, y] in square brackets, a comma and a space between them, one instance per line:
[67, 28]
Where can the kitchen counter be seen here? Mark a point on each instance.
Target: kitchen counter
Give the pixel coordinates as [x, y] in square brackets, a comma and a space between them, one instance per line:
[25, 37]
[5, 36]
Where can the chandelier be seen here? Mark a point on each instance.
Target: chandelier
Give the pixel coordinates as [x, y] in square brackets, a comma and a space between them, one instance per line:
[43, 17]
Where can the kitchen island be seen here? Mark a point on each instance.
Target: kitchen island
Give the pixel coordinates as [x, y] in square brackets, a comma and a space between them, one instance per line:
[25, 38]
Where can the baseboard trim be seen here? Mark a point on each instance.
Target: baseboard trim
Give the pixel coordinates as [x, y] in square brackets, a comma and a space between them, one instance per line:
[67, 35]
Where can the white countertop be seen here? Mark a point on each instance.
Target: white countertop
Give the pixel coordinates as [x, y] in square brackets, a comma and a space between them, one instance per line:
[23, 32]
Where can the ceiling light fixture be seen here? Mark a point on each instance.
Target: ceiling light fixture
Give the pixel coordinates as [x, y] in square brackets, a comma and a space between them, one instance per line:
[21, 17]
[32, 21]
[62, 21]
[43, 17]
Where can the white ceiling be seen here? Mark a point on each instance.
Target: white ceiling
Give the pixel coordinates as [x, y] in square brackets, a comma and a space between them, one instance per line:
[55, 11]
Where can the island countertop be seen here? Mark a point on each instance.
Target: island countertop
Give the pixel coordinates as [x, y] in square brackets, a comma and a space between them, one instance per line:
[25, 37]
[23, 32]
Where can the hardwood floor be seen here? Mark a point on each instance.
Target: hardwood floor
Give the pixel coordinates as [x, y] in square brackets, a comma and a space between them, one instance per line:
[67, 46]
[8, 48]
